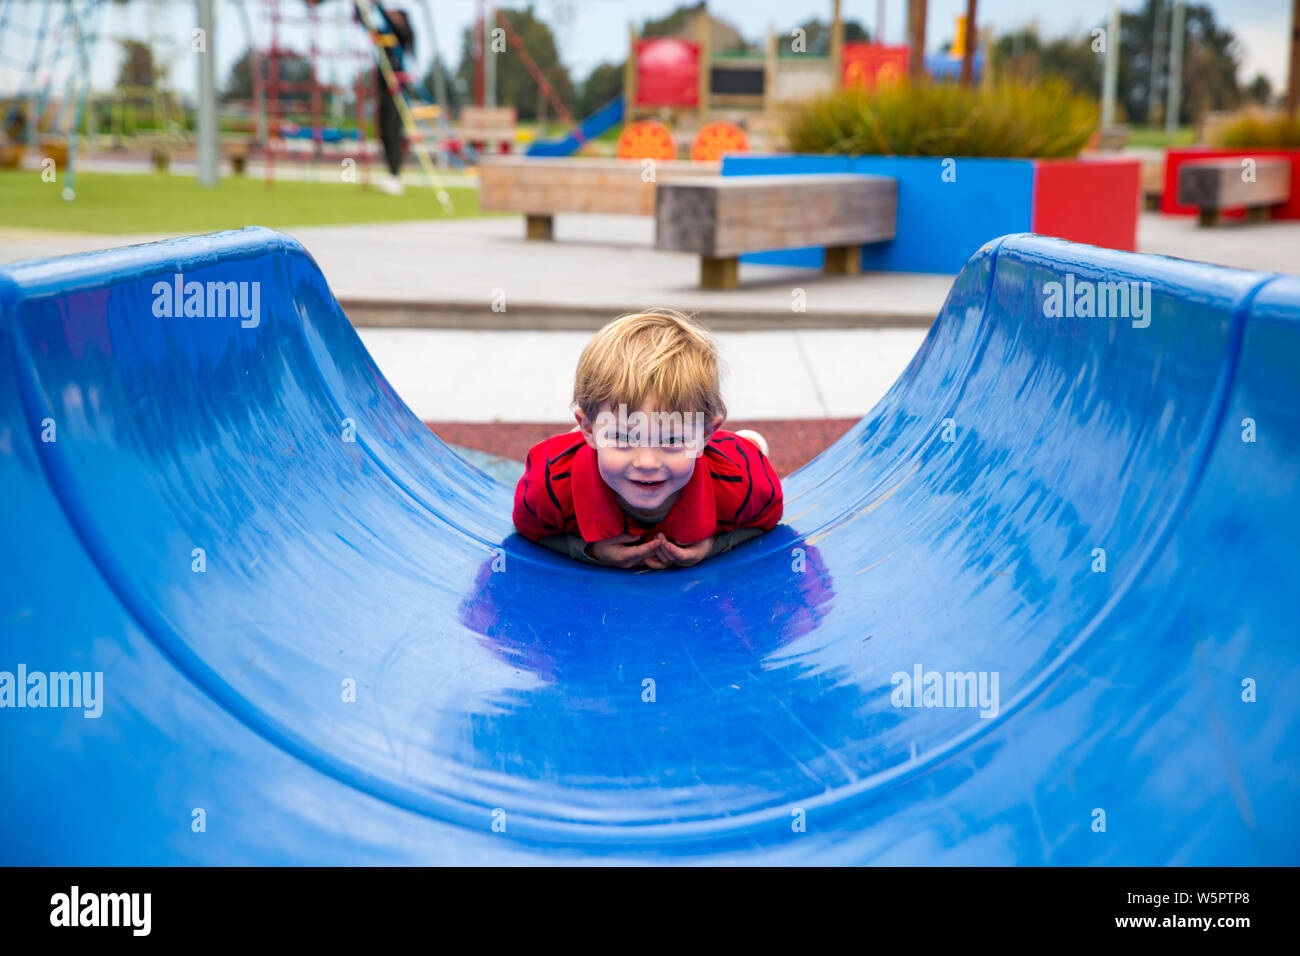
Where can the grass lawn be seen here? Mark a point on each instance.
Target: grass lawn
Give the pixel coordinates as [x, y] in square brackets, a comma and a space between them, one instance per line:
[121, 204]
[1156, 136]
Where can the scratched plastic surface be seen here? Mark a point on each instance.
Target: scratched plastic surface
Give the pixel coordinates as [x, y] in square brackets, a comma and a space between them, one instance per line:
[499, 681]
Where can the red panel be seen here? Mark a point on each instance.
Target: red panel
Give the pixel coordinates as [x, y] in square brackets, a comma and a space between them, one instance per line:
[667, 72]
[866, 64]
[1088, 200]
[1176, 157]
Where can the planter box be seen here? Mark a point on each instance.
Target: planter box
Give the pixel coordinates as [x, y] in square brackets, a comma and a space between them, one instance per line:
[941, 224]
[1174, 158]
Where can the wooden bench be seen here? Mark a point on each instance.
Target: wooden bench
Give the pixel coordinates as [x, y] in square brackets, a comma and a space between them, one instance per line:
[721, 218]
[1213, 185]
[1110, 139]
[488, 127]
[540, 187]
[1151, 181]
[236, 150]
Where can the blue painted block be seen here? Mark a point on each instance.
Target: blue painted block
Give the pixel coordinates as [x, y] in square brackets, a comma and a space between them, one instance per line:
[940, 224]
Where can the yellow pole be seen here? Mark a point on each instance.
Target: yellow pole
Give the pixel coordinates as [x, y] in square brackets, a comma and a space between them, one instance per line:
[837, 46]
[704, 25]
[629, 77]
[403, 110]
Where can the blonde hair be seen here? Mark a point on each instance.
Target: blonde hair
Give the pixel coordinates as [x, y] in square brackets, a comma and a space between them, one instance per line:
[660, 353]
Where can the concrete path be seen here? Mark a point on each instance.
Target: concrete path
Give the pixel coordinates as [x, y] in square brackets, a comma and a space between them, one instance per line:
[815, 373]
[451, 274]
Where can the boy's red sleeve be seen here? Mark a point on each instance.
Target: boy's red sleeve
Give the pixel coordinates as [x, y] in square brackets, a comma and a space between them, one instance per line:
[537, 514]
[766, 501]
[748, 490]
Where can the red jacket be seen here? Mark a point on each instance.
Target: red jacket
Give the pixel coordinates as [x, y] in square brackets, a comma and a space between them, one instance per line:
[733, 486]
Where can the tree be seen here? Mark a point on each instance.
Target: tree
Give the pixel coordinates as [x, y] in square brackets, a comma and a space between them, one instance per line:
[515, 84]
[817, 36]
[1259, 90]
[1025, 55]
[290, 68]
[603, 84]
[141, 84]
[723, 36]
[1211, 58]
[137, 71]
[675, 24]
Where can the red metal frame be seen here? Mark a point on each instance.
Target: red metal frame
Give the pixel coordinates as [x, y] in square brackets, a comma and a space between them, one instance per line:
[540, 78]
[278, 109]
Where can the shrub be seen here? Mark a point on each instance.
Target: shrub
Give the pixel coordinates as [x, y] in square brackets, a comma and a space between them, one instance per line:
[1254, 128]
[1043, 119]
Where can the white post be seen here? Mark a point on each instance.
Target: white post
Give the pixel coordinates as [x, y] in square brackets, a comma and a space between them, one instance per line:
[489, 59]
[207, 120]
[1110, 79]
[1175, 69]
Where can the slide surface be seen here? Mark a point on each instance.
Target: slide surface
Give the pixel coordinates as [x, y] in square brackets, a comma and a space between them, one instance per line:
[318, 639]
[609, 115]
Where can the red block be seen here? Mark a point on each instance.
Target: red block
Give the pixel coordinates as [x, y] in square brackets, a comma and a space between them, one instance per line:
[869, 64]
[1176, 157]
[1088, 200]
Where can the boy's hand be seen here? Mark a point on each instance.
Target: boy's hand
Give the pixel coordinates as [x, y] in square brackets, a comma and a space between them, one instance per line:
[622, 551]
[676, 555]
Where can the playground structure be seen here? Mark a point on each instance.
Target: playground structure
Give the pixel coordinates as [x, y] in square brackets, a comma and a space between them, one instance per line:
[680, 100]
[716, 101]
[293, 113]
[717, 104]
[318, 118]
[683, 99]
[1116, 551]
[361, 43]
[36, 114]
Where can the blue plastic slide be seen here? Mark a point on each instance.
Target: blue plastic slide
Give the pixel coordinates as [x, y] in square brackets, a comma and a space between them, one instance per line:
[1037, 607]
[608, 116]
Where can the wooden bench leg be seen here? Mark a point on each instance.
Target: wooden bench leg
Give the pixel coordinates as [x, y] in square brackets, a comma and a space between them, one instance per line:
[1207, 217]
[1257, 213]
[538, 227]
[843, 260]
[721, 273]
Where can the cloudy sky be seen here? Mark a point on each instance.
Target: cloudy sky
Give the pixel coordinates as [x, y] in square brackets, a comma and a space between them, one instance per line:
[590, 31]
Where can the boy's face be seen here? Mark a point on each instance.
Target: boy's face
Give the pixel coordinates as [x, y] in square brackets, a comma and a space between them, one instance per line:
[646, 457]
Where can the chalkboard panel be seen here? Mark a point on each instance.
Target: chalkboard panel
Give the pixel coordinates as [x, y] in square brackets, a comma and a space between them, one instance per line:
[736, 81]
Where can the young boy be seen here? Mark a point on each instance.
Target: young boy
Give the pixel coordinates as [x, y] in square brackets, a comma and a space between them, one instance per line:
[647, 477]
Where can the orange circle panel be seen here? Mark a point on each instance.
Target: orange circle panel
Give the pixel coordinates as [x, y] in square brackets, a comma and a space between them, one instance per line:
[646, 139]
[717, 138]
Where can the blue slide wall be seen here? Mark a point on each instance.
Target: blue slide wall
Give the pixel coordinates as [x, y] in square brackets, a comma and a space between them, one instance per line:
[319, 635]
